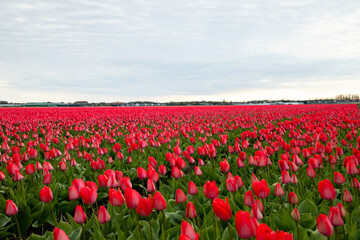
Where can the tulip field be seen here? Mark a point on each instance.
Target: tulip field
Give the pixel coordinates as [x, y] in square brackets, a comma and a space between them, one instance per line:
[209, 172]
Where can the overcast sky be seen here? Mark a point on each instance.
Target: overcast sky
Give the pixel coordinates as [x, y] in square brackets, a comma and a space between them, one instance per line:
[178, 50]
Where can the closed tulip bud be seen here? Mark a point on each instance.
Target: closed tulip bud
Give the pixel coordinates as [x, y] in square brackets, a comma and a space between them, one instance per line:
[197, 171]
[190, 210]
[144, 207]
[159, 202]
[47, 179]
[60, 234]
[11, 209]
[103, 215]
[192, 189]
[326, 190]
[211, 191]
[244, 225]
[231, 185]
[62, 166]
[347, 196]
[341, 209]
[79, 216]
[188, 230]
[260, 205]
[162, 170]
[78, 184]
[180, 197]
[335, 217]
[132, 198]
[295, 214]
[310, 172]
[224, 166]
[324, 225]
[293, 198]
[279, 191]
[88, 195]
[249, 199]
[222, 209]
[2, 176]
[73, 193]
[339, 178]
[285, 177]
[46, 195]
[125, 183]
[116, 198]
[141, 173]
[17, 176]
[176, 173]
[261, 189]
[255, 212]
[30, 169]
[150, 188]
[239, 182]
[294, 179]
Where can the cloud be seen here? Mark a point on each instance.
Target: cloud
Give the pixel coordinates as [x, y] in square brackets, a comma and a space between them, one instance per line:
[164, 50]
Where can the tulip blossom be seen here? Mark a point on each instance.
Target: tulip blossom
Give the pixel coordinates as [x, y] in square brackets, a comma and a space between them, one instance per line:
[180, 196]
[190, 211]
[244, 225]
[11, 209]
[79, 216]
[324, 225]
[326, 190]
[46, 195]
[295, 214]
[222, 209]
[188, 230]
[116, 198]
[192, 189]
[103, 215]
[132, 198]
[210, 190]
[159, 202]
[261, 189]
[88, 195]
[59, 234]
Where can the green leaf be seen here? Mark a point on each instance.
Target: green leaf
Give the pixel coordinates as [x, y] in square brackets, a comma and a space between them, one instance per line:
[75, 234]
[65, 226]
[307, 221]
[355, 215]
[283, 222]
[24, 218]
[308, 206]
[4, 220]
[315, 235]
[36, 237]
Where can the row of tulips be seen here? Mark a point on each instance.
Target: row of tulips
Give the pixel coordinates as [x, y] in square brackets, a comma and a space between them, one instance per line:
[150, 167]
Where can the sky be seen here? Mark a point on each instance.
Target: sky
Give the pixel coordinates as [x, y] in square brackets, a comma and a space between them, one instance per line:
[213, 50]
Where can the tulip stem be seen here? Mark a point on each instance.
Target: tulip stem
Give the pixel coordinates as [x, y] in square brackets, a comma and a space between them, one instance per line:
[216, 226]
[336, 233]
[137, 220]
[122, 220]
[83, 231]
[164, 224]
[229, 229]
[106, 232]
[297, 228]
[18, 226]
[151, 236]
[53, 213]
[96, 220]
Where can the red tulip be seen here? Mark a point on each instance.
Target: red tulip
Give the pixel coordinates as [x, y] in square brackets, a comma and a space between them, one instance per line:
[150, 188]
[159, 202]
[244, 225]
[141, 173]
[30, 169]
[80, 216]
[335, 217]
[222, 209]
[339, 178]
[11, 209]
[255, 212]
[261, 189]
[210, 190]
[103, 215]
[62, 166]
[188, 230]
[17, 176]
[116, 198]
[73, 193]
[47, 179]
[249, 199]
[190, 210]
[88, 195]
[192, 189]
[231, 185]
[224, 166]
[197, 171]
[144, 207]
[311, 172]
[180, 197]
[46, 195]
[279, 191]
[347, 196]
[132, 198]
[295, 214]
[324, 225]
[285, 177]
[60, 234]
[326, 190]
[78, 184]
[293, 198]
